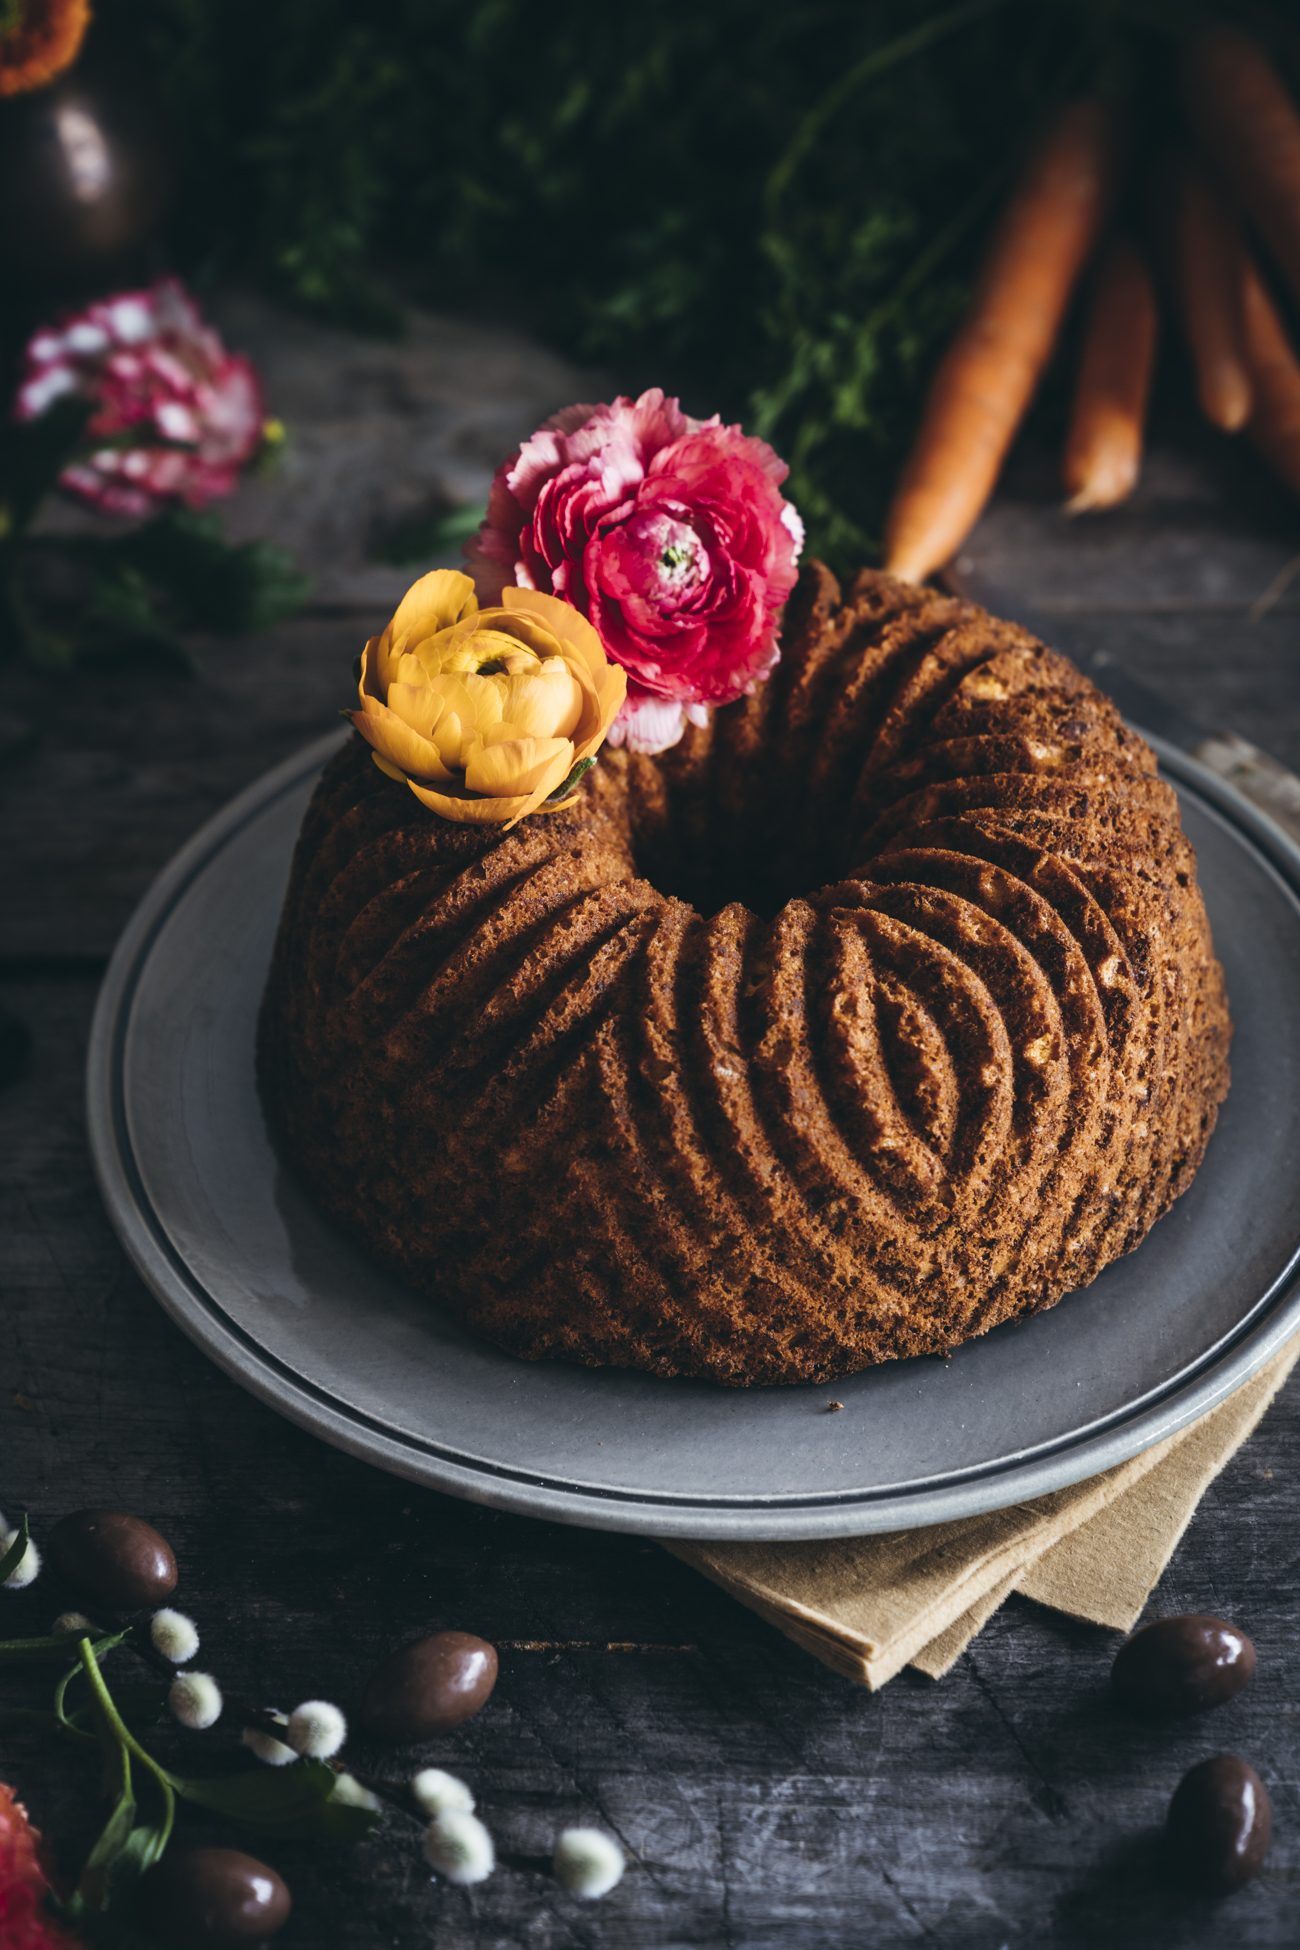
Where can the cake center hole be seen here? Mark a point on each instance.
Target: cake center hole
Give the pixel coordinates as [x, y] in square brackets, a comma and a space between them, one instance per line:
[710, 861]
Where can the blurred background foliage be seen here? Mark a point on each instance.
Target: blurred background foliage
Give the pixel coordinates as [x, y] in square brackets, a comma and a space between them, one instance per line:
[771, 210]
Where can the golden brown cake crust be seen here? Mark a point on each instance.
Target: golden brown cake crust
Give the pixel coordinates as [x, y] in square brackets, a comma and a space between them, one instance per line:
[880, 1011]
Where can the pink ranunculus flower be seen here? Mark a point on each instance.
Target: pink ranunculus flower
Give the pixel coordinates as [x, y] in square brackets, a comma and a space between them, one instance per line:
[669, 533]
[175, 415]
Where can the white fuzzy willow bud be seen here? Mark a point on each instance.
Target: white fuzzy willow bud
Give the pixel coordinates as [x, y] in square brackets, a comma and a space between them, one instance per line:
[588, 1863]
[195, 1700]
[270, 1751]
[316, 1729]
[459, 1847]
[348, 1790]
[72, 1625]
[28, 1567]
[439, 1793]
[174, 1635]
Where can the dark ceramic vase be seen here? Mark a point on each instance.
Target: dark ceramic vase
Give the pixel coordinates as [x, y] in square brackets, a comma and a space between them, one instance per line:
[84, 180]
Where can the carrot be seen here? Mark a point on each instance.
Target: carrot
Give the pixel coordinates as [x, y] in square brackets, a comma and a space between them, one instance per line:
[987, 378]
[1207, 273]
[1103, 450]
[1274, 425]
[1240, 109]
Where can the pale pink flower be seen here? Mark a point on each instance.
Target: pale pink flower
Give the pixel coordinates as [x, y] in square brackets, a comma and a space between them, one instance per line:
[669, 533]
[175, 416]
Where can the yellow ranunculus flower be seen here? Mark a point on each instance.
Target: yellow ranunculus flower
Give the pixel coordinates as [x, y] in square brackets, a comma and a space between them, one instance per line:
[485, 712]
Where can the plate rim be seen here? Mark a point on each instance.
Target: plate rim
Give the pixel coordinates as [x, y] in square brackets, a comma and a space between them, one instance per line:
[802, 1516]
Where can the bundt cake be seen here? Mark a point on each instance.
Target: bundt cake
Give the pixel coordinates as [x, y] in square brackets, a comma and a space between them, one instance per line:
[881, 1010]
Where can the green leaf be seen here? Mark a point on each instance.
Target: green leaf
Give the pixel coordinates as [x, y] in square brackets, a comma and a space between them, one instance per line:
[144, 1846]
[35, 453]
[294, 1803]
[16, 1552]
[199, 581]
[126, 1849]
[95, 1886]
[345, 1821]
[424, 536]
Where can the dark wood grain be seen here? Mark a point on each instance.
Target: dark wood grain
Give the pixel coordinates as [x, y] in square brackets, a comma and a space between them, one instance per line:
[765, 1802]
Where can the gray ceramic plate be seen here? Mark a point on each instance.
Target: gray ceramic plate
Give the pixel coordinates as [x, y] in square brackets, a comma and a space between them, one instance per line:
[291, 1309]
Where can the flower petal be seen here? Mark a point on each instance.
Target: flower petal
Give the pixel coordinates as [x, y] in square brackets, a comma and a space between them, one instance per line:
[435, 602]
[398, 742]
[545, 704]
[563, 621]
[471, 811]
[519, 766]
[417, 705]
[609, 702]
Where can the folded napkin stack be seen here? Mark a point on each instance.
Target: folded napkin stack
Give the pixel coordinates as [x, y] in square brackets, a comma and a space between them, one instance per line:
[869, 1606]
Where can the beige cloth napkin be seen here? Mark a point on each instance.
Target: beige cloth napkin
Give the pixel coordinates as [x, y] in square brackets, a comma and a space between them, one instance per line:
[868, 1606]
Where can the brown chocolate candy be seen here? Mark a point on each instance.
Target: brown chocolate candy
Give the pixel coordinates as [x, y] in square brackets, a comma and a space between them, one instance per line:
[429, 1686]
[68, 230]
[214, 1898]
[119, 1559]
[1183, 1665]
[1220, 1823]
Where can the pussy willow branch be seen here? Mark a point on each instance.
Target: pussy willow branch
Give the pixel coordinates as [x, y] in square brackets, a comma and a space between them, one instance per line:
[259, 1719]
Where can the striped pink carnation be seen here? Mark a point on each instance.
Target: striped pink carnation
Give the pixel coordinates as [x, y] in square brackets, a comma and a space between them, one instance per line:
[175, 415]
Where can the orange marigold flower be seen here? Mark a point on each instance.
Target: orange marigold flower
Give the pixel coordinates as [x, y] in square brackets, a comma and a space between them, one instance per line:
[38, 40]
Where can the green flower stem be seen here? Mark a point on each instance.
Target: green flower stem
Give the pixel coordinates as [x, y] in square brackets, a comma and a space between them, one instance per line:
[124, 1782]
[126, 1740]
[60, 1695]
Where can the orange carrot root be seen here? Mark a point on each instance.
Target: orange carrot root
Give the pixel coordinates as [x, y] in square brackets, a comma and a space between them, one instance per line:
[988, 375]
[1208, 276]
[1103, 451]
[1240, 109]
[1274, 426]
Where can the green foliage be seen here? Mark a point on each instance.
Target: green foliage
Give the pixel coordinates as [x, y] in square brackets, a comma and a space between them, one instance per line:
[137, 589]
[426, 537]
[140, 591]
[294, 1803]
[300, 1802]
[195, 580]
[772, 211]
[32, 456]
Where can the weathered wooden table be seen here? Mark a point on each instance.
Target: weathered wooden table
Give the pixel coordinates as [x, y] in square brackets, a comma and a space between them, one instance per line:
[765, 1802]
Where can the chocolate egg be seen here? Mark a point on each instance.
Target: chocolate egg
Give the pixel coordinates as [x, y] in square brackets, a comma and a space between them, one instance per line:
[119, 1559]
[430, 1686]
[1220, 1823]
[84, 181]
[1183, 1664]
[214, 1898]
